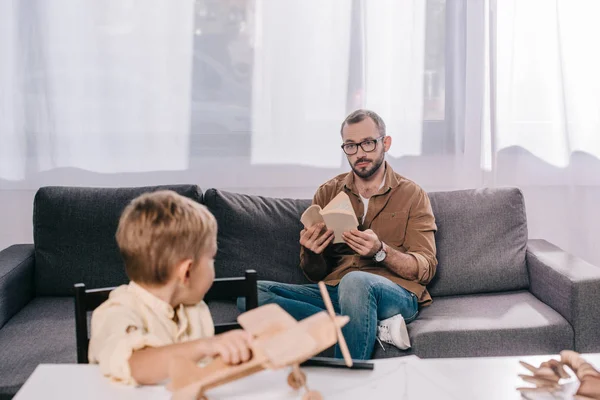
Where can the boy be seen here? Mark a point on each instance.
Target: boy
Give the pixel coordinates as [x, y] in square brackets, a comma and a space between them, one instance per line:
[168, 243]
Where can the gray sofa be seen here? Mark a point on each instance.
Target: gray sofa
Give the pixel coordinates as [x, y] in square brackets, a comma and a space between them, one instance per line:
[495, 292]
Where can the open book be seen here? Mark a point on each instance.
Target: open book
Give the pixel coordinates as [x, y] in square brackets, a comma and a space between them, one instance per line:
[338, 216]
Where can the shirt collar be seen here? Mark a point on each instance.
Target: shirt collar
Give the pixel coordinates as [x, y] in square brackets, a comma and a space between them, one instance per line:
[153, 302]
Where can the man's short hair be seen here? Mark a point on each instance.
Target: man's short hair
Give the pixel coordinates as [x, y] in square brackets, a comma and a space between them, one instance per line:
[362, 114]
[157, 230]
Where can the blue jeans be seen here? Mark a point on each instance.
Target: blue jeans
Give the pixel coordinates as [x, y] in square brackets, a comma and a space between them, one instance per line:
[364, 297]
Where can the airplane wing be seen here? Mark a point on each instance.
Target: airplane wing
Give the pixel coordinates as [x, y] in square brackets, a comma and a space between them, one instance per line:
[269, 318]
[289, 347]
[297, 344]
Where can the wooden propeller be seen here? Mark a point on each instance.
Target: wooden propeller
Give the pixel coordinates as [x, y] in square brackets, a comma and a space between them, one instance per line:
[340, 336]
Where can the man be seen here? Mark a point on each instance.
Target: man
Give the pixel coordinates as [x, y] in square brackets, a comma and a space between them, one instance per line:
[380, 272]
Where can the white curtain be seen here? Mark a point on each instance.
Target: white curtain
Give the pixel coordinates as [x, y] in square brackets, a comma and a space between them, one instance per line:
[300, 81]
[300, 88]
[541, 125]
[546, 90]
[12, 138]
[102, 85]
[394, 69]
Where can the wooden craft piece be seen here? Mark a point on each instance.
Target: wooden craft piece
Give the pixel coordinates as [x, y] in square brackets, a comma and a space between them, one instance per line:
[279, 341]
[547, 376]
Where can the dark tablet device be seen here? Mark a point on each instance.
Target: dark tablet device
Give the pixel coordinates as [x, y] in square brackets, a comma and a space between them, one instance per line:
[336, 363]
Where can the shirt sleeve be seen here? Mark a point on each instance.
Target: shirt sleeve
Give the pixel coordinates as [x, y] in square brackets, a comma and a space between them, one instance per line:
[116, 333]
[420, 239]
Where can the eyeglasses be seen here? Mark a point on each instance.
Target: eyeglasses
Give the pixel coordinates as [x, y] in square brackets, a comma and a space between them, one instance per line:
[368, 146]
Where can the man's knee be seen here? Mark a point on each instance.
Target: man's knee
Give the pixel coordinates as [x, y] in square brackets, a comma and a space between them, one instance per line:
[354, 292]
[265, 294]
[355, 283]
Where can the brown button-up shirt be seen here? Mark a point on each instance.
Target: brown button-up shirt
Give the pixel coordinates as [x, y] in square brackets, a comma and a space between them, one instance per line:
[399, 214]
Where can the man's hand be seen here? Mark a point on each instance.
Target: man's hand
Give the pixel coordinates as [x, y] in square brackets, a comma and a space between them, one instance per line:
[365, 243]
[232, 346]
[314, 239]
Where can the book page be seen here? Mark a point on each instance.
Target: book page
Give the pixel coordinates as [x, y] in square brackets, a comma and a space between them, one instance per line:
[340, 222]
[340, 202]
[311, 216]
[338, 216]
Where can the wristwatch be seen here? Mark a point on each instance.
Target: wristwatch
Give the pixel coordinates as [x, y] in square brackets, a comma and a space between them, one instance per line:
[380, 255]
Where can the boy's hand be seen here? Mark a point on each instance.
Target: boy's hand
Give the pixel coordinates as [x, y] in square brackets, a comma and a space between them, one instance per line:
[233, 347]
[314, 239]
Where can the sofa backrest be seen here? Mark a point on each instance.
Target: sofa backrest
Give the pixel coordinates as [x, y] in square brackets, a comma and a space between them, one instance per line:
[74, 235]
[258, 233]
[481, 238]
[481, 241]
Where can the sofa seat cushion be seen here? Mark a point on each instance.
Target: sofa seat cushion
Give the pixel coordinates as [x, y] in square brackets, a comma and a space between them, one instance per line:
[257, 233]
[42, 332]
[498, 324]
[223, 312]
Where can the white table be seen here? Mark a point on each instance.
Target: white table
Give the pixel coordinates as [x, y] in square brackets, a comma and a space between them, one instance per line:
[399, 378]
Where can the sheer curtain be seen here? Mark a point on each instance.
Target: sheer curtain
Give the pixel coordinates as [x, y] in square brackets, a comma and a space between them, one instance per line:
[394, 34]
[12, 139]
[100, 86]
[301, 76]
[542, 125]
[300, 81]
[546, 90]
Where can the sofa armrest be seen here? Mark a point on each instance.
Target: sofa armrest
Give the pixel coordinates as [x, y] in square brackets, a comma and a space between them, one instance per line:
[570, 286]
[16, 279]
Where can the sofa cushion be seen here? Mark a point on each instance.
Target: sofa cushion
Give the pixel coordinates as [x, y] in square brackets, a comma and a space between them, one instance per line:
[481, 241]
[497, 324]
[74, 235]
[257, 233]
[42, 332]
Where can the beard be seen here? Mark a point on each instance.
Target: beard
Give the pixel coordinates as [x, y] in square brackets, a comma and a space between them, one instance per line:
[367, 171]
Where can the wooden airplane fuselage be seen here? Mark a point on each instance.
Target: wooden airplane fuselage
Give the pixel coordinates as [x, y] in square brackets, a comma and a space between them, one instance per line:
[280, 341]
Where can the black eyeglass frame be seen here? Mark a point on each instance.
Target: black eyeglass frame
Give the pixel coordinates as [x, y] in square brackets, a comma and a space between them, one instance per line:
[343, 146]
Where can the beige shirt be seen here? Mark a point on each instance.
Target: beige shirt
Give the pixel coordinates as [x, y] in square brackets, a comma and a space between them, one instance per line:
[400, 215]
[132, 318]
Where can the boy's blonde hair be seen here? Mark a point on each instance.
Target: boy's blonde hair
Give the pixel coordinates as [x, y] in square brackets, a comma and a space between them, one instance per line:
[160, 229]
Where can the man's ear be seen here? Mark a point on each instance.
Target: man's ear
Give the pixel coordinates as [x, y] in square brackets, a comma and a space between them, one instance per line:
[182, 271]
[387, 143]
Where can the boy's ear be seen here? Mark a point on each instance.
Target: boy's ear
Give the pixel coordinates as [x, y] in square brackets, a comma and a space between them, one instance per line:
[183, 269]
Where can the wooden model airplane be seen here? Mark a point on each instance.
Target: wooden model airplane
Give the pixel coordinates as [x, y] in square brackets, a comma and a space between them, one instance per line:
[279, 341]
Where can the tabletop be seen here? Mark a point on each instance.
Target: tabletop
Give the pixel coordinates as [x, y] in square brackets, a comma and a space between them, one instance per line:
[407, 378]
